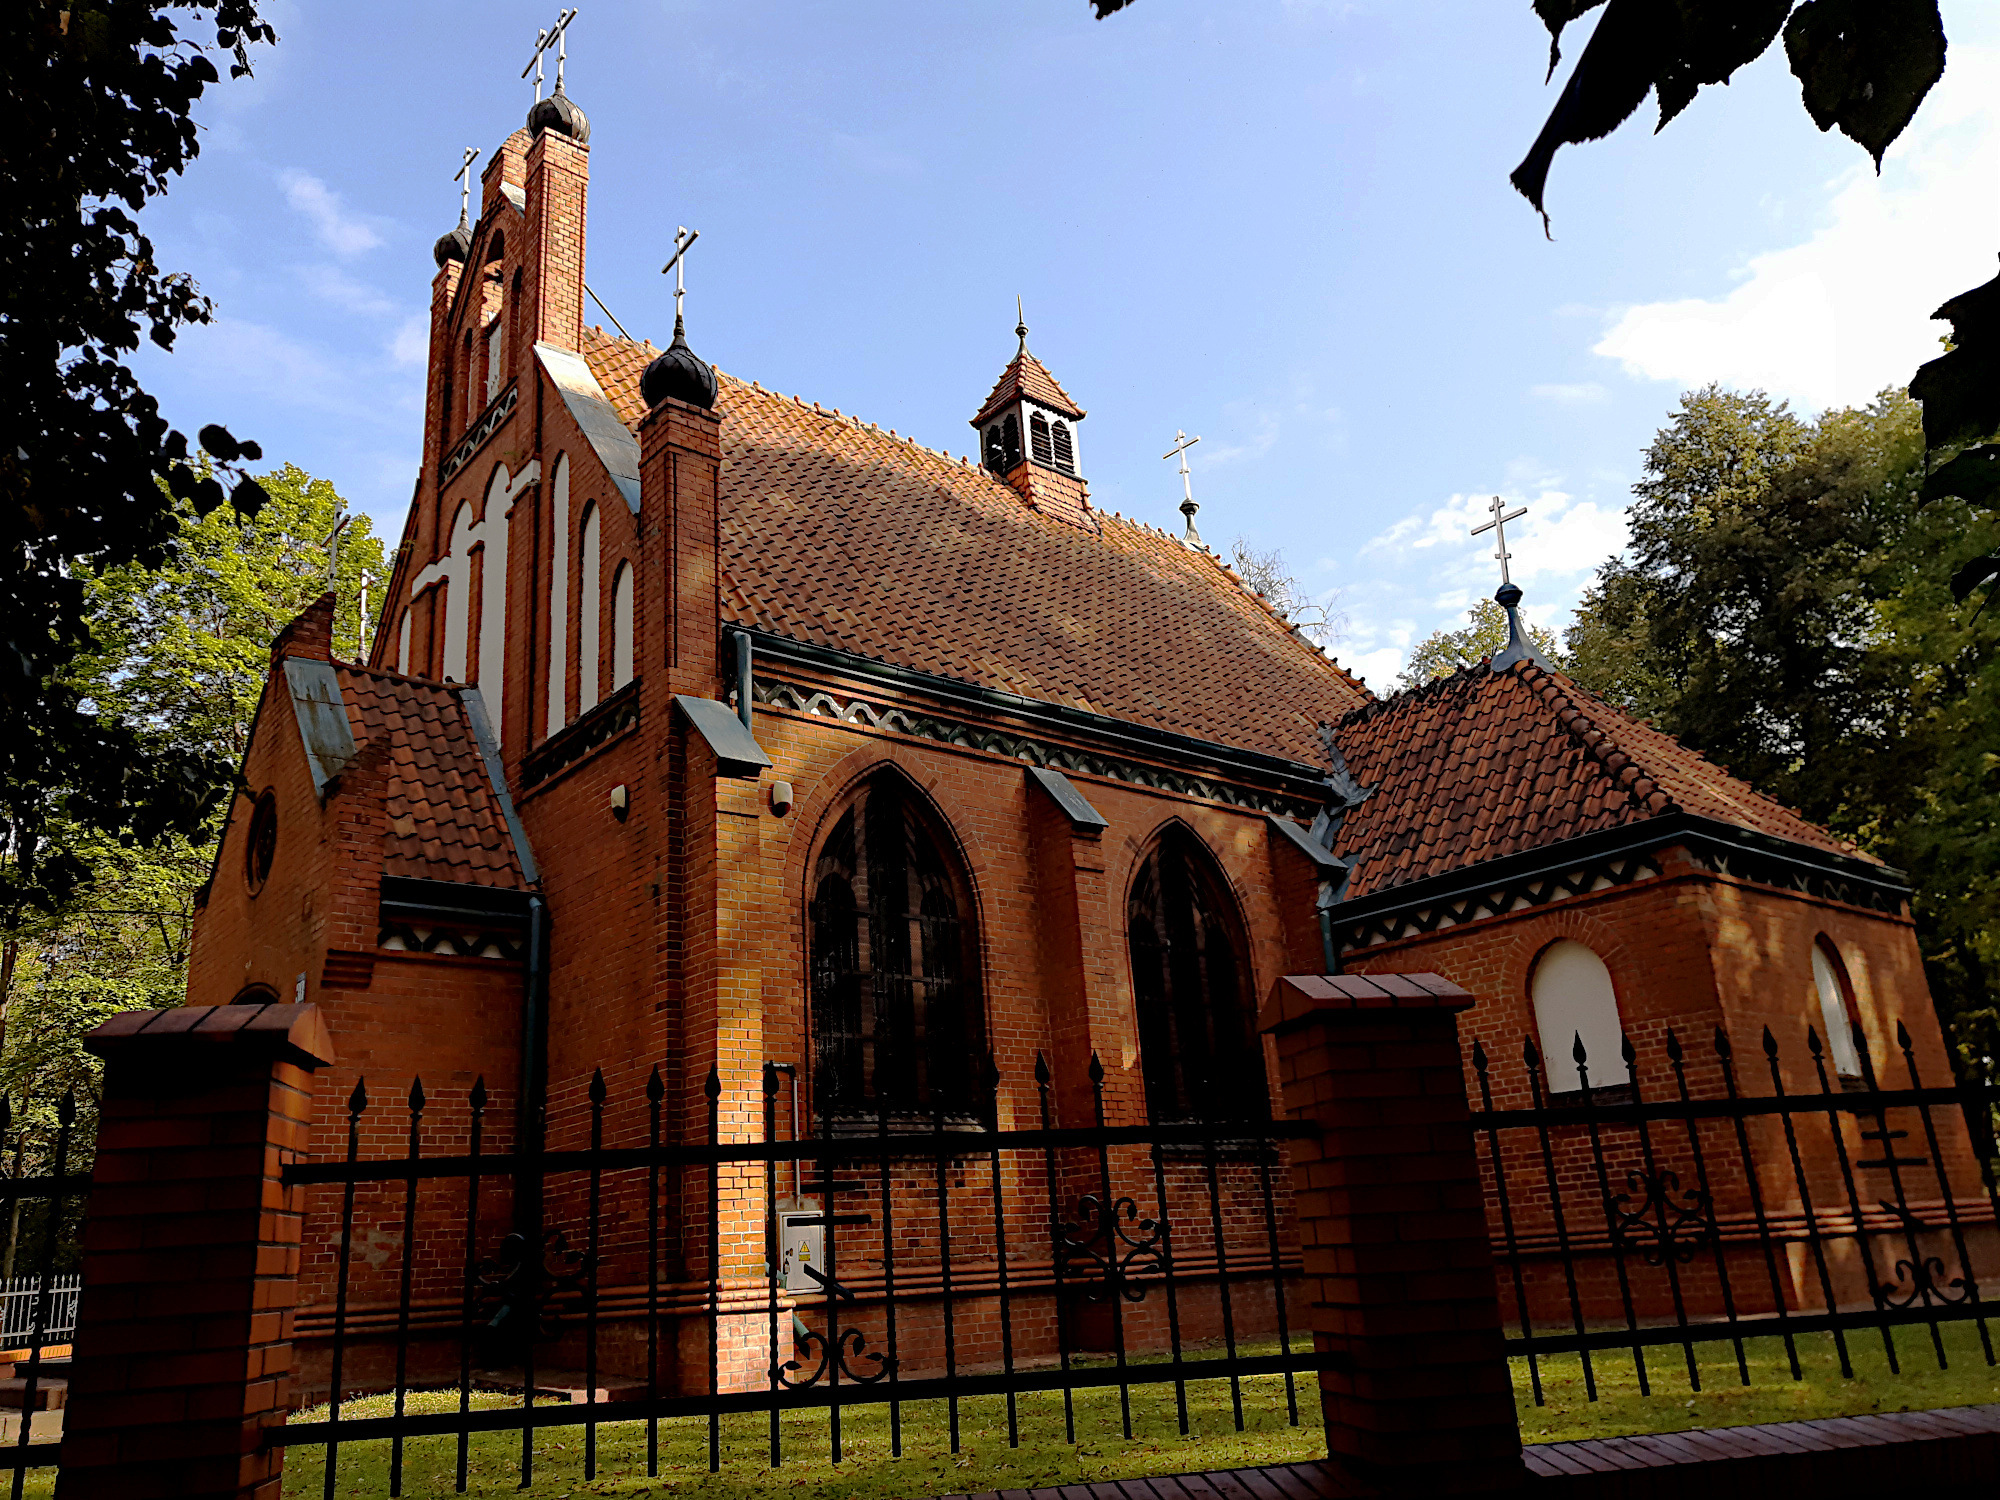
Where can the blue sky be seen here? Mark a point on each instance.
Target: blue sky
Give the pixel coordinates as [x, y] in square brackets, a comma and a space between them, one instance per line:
[1283, 225]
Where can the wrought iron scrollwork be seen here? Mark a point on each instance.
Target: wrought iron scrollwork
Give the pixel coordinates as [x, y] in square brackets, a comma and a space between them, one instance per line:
[519, 1291]
[1106, 1257]
[1669, 1223]
[840, 1351]
[1924, 1273]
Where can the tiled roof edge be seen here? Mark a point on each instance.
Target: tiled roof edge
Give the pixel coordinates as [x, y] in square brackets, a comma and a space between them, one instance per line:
[1596, 741]
[1161, 743]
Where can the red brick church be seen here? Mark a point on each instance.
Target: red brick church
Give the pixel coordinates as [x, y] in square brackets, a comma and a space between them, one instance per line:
[709, 726]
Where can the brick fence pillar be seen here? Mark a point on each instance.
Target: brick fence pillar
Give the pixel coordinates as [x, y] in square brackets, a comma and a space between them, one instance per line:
[1392, 1219]
[191, 1253]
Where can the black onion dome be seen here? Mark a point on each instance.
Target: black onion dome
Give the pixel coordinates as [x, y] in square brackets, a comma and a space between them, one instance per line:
[454, 245]
[678, 373]
[559, 113]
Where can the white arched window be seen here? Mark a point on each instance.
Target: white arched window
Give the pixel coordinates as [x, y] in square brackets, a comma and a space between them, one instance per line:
[1573, 998]
[492, 624]
[588, 597]
[621, 627]
[457, 572]
[559, 598]
[1829, 983]
[403, 644]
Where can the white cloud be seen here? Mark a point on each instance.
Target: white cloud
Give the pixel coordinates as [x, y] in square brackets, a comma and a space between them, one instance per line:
[331, 284]
[342, 232]
[1833, 320]
[412, 343]
[1586, 393]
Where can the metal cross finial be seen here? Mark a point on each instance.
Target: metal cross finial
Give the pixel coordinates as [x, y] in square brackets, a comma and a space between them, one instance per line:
[1182, 442]
[463, 177]
[1498, 525]
[684, 239]
[553, 36]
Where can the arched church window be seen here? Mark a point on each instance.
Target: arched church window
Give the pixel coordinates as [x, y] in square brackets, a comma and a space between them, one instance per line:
[1836, 1014]
[621, 627]
[1065, 447]
[995, 454]
[1038, 438]
[1197, 1038]
[588, 597]
[896, 1018]
[1010, 441]
[260, 846]
[496, 356]
[403, 643]
[1573, 999]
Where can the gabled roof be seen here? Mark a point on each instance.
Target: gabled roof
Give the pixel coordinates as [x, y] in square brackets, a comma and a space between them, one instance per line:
[1027, 376]
[445, 821]
[1483, 764]
[839, 534]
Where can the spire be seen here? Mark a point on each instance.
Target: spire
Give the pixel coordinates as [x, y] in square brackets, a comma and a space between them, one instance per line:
[1020, 325]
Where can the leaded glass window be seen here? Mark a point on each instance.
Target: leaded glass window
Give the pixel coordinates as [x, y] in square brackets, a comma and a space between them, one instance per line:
[895, 988]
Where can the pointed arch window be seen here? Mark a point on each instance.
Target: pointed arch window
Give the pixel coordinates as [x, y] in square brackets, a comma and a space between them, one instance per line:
[896, 1016]
[1836, 1011]
[1577, 1008]
[1197, 1036]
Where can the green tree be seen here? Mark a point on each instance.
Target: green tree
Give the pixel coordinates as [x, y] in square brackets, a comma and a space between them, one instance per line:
[181, 651]
[99, 100]
[1443, 652]
[1786, 607]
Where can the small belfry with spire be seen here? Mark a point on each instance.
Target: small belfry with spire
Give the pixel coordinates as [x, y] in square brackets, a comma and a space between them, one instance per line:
[1028, 435]
[1520, 645]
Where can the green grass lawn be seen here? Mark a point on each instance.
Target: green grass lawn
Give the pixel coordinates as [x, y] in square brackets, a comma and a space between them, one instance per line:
[985, 1462]
[927, 1467]
[1771, 1396]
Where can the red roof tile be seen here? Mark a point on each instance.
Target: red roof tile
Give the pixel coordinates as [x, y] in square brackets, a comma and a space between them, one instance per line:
[1482, 764]
[444, 821]
[1027, 376]
[838, 533]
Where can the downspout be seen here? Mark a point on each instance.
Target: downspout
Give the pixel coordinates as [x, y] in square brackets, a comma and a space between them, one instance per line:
[533, 1127]
[742, 638]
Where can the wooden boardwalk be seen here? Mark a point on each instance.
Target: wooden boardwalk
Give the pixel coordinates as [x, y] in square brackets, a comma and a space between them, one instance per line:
[1946, 1451]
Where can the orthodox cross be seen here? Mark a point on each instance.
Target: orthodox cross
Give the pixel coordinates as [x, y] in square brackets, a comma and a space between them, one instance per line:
[1498, 526]
[553, 37]
[684, 239]
[463, 177]
[1182, 442]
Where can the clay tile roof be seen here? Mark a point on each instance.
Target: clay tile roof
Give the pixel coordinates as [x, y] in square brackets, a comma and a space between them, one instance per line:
[1027, 376]
[1481, 765]
[444, 821]
[837, 533]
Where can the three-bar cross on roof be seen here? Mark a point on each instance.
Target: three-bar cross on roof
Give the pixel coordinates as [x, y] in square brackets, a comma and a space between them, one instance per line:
[1182, 442]
[1498, 525]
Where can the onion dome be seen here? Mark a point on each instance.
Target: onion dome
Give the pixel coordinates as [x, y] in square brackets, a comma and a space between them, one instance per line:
[559, 113]
[678, 373]
[454, 245]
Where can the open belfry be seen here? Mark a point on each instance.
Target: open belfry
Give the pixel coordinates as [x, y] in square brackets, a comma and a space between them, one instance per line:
[725, 763]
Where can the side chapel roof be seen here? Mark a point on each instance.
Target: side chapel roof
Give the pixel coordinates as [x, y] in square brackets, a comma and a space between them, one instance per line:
[445, 823]
[840, 534]
[1483, 764]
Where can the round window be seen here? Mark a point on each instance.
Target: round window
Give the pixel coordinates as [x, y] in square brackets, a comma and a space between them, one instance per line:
[263, 843]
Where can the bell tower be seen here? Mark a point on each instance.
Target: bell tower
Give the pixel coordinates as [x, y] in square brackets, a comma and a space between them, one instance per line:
[1028, 437]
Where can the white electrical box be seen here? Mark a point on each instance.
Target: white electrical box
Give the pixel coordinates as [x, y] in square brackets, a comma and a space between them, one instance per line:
[801, 1242]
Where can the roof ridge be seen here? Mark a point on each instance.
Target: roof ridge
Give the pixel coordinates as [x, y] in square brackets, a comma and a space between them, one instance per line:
[394, 675]
[835, 414]
[1595, 740]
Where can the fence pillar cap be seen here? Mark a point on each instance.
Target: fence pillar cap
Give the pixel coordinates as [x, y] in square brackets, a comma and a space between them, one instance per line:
[291, 1033]
[1298, 999]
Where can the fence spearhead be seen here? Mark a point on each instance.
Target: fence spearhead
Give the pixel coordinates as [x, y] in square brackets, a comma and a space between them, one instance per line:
[1673, 1047]
[1479, 1055]
[1770, 1045]
[1578, 1052]
[66, 1108]
[1903, 1037]
[770, 1082]
[1041, 1070]
[1096, 1069]
[655, 1090]
[417, 1095]
[1813, 1044]
[1722, 1047]
[358, 1100]
[1626, 1050]
[597, 1088]
[479, 1095]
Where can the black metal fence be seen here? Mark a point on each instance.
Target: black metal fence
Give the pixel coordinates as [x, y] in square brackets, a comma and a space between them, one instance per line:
[44, 1182]
[1697, 1201]
[912, 1260]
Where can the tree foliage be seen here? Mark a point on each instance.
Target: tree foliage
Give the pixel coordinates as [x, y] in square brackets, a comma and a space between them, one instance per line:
[99, 97]
[1786, 607]
[180, 654]
[1444, 652]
